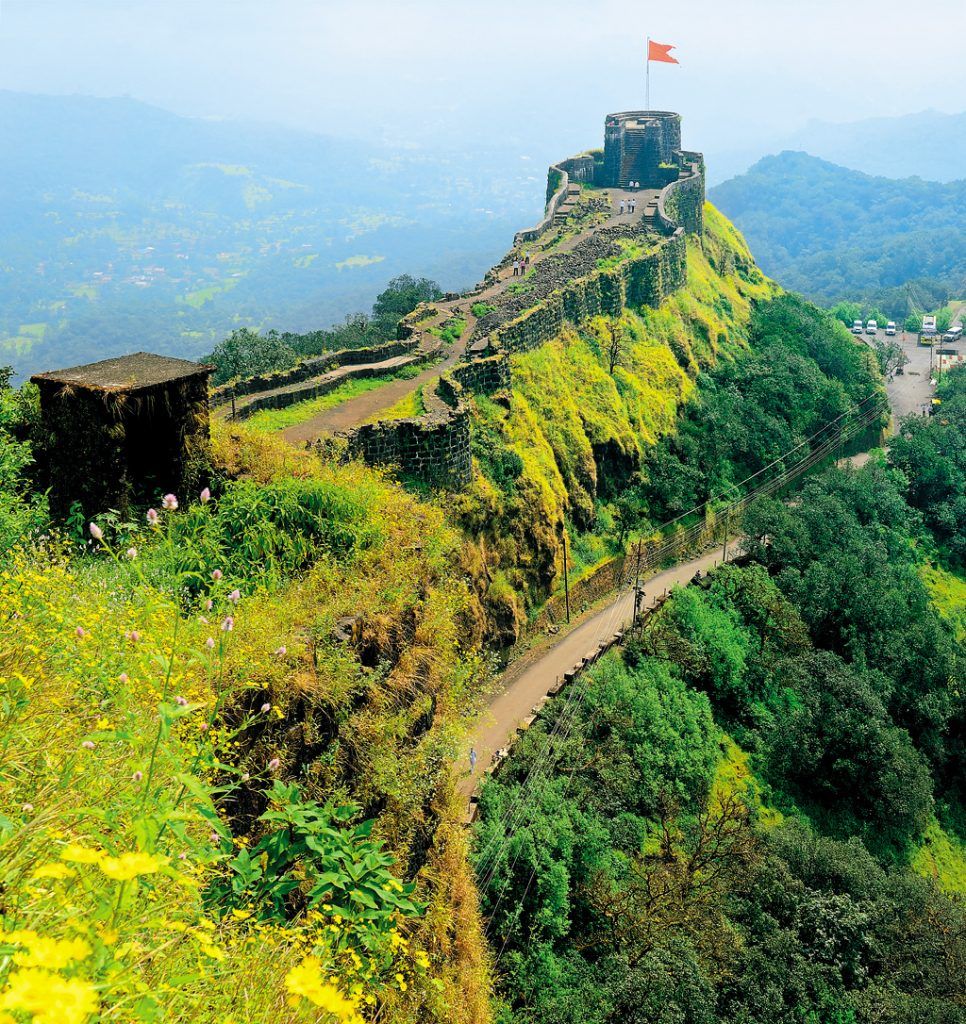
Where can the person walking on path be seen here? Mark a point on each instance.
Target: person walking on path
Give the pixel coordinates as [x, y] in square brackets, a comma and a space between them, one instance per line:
[472, 759]
[622, 208]
[516, 268]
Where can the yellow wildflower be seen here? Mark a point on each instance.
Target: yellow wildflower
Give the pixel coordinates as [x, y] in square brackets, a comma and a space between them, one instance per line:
[53, 871]
[130, 865]
[53, 954]
[306, 980]
[49, 997]
[77, 854]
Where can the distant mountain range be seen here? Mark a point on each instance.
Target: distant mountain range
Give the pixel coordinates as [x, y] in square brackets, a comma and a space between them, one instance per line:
[834, 233]
[928, 145]
[126, 227]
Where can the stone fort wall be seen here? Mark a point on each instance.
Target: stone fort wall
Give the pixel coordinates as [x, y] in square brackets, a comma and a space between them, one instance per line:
[436, 446]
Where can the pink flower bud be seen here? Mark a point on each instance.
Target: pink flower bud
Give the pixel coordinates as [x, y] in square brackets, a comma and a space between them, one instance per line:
[131, 553]
[152, 517]
[88, 744]
[274, 764]
[234, 596]
[203, 727]
[210, 642]
[133, 636]
[122, 678]
[205, 495]
[280, 652]
[209, 604]
[27, 808]
[169, 503]
[228, 625]
[216, 574]
[180, 701]
[266, 707]
[182, 856]
[137, 776]
[215, 838]
[202, 620]
[80, 631]
[96, 532]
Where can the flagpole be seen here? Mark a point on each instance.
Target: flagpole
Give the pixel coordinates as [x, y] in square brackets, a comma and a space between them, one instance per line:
[647, 76]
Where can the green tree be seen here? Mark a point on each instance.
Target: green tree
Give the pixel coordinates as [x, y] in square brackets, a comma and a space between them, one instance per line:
[401, 296]
[837, 747]
[246, 352]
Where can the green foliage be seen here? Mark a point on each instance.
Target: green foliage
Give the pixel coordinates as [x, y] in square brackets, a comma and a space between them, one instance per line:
[480, 309]
[450, 331]
[634, 890]
[804, 371]
[931, 452]
[245, 353]
[22, 512]
[401, 296]
[281, 527]
[308, 856]
[836, 234]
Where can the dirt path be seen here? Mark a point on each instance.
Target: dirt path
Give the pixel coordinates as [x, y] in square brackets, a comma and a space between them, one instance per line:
[223, 411]
[527, 681]
[358, 410]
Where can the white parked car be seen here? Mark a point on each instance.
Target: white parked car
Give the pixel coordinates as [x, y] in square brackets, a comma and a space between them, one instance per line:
[856, 326]
[891, 327]
[871, 327]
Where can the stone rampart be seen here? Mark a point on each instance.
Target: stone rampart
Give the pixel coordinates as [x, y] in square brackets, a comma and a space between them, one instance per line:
[312, 367]
[571, 287]
[283, 399]
[435, 447]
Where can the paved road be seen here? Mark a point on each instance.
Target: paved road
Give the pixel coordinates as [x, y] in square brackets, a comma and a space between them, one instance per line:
[524, 684]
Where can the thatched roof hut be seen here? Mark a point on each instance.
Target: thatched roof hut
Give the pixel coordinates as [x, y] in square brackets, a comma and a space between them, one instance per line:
[122, 431]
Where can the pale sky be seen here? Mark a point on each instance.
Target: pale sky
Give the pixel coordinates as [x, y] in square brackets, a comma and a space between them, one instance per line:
[532, 74]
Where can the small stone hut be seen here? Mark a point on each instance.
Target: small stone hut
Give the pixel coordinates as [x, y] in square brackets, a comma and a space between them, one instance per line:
[122, 431]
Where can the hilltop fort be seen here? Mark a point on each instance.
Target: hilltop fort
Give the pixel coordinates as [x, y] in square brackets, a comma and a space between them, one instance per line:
[612, 234]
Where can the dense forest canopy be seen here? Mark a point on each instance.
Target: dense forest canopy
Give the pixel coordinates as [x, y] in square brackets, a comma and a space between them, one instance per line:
[730, 819]
[833, 233]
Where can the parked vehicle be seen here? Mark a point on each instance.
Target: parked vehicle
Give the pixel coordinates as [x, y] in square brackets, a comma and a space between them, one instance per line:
[856, 326]
[953, 334]
[871, 327]
[891, 327]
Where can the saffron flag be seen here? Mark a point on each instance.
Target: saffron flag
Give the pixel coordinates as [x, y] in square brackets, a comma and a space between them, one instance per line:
[661, 52]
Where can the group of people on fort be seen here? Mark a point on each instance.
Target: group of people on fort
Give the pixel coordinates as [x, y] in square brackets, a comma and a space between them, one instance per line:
[630, 202]
[521, 265]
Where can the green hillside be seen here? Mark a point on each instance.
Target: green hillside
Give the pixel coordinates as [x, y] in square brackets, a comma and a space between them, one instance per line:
[835, 234]
[233, 728]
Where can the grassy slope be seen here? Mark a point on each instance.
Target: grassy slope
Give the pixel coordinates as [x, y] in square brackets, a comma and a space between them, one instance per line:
[378, 730]
[569, 415]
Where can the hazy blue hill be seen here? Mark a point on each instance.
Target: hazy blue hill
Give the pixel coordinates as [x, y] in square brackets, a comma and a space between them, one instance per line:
[834, 233]
[125, 226]
[928, 144]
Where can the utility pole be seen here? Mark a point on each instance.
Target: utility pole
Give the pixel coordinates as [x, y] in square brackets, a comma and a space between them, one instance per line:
[637, 585]
[724, 550]
[566, 579]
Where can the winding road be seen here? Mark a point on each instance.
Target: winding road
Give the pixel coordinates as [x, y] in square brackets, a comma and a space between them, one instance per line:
[527, 681]
[525, 685]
